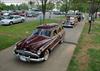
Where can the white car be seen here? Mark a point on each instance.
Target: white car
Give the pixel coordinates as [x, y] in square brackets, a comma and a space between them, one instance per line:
[8, 20]
[72, 20]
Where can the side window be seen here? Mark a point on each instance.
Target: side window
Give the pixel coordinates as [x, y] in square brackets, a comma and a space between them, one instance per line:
[11, 17]
[17, 17]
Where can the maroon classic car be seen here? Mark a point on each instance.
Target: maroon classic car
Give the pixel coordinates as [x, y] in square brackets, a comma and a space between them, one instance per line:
[38, 46]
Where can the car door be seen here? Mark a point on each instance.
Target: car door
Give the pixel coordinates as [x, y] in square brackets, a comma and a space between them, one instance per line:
[61, 33]
[55, 40]
[17, 19]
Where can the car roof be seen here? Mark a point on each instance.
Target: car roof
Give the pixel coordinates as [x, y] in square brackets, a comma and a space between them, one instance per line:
[14, 15]
[48, 26]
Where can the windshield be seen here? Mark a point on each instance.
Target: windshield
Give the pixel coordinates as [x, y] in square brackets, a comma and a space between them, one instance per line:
[8, 17]
[42, 32]
[1, 18]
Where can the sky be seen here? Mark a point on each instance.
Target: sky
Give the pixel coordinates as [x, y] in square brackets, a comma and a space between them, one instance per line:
[8, 2]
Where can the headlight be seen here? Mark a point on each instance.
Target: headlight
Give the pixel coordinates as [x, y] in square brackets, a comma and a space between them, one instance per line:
[15, 47]
[39, 52]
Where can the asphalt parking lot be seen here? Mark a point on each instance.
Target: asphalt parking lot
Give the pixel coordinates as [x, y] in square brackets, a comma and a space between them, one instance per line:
[47, 16]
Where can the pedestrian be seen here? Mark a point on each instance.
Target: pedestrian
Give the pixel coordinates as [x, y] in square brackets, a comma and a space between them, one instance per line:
[90, 19]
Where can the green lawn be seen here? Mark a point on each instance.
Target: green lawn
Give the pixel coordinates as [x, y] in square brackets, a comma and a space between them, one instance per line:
[9, 35]
[87, 53]
[98, 19]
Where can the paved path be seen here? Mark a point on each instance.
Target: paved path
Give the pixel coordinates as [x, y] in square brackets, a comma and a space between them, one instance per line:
[58, 60]
[72, 35]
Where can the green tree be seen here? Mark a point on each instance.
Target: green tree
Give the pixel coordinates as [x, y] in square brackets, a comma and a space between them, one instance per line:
[50, 6]
[12, 7]
[58, 5]
[44, 7]
[64, 6]
[31, 3]
[2, 6]
[23, 6]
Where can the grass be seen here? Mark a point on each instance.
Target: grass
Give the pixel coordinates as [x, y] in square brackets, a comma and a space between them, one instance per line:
[87, 53]
[98, 19]
[9, 35]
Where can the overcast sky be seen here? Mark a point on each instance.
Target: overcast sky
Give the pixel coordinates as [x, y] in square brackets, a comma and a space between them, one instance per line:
[8, 2]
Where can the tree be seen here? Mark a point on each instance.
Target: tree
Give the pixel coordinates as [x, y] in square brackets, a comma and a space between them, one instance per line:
[2, 6]
[31, 3]
[64, 6]
[23, 6]
[94, 6]
[12, 7]
[43, 5]
[58, 5]
[50, 6]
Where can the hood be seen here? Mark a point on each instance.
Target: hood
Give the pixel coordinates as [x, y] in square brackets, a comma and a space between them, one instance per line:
[6, 20]
[33, 43]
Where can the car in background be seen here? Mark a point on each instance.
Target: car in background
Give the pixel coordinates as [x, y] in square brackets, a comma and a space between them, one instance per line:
[71, 21]
[1, 18]
[57, 13]
[1, 14]
[97, 14]
[38, 11]
[6, 14]
[22, 13]
[38, 46]
[31, 14]
[12, 19]
[80, 16]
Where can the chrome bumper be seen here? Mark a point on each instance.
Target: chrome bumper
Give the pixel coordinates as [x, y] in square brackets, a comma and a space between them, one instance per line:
[28, 58]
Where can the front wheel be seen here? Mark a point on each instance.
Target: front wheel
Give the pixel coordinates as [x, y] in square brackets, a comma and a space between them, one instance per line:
[46, 55]
[22, 20]
[10, 23]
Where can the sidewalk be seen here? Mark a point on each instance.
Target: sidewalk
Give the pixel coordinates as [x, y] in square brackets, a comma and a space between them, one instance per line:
[73, 36]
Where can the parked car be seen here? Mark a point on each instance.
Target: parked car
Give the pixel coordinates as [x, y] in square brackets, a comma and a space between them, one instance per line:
[71, 21]
[38, 46]
[6, 14]
[1, 13]
[57, 13]
[31, 14]
[1, 18]
[22, 13]
[38, 11]
[80, 16]
[8, 20]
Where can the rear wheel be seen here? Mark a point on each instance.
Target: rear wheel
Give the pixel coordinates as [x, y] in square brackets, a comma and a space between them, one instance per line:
[22, 21]
[46, 55]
